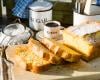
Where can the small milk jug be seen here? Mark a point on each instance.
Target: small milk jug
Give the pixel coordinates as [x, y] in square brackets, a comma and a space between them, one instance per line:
[40, 12]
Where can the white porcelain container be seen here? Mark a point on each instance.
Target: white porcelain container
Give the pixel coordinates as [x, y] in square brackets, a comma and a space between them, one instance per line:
[81, 18]
[39, 12]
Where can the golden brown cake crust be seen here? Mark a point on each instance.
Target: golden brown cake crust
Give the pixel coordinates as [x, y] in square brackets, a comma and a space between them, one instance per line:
[61, 50]
[79, 43]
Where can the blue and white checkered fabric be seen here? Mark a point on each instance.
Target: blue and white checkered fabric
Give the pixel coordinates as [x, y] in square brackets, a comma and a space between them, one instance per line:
[98, 2]
[21, 8]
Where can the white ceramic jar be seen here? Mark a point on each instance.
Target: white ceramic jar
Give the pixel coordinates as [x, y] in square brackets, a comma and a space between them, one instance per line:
[39, 12]
[82, 18]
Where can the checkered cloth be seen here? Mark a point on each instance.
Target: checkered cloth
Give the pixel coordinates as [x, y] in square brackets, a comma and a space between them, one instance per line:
[98, 2]
[21, 8]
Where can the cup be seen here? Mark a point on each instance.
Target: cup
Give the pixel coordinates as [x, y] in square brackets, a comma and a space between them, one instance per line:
[52, 29]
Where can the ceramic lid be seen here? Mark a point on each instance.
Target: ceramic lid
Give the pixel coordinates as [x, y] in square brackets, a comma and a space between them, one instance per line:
[41, 5]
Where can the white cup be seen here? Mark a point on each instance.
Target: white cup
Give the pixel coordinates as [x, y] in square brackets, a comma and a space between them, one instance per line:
[52, 29]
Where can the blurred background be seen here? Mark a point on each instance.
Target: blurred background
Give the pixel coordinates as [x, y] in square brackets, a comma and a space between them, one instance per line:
[62, 11]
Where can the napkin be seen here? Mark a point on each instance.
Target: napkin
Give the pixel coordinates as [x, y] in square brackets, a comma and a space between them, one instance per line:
[21, 8]
[6, 69]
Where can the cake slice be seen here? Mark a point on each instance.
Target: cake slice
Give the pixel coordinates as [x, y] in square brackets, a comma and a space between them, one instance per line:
[32, 61]
[61, 50]
[85, 39]
[41, 51]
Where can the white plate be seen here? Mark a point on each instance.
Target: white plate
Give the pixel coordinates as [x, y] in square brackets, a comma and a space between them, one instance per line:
[40, 35]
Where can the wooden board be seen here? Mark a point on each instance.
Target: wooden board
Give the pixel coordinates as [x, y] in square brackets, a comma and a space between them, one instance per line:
[75, 71]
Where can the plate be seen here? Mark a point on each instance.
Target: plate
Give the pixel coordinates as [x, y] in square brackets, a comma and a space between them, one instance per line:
[40, 35]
